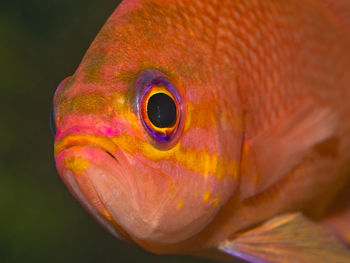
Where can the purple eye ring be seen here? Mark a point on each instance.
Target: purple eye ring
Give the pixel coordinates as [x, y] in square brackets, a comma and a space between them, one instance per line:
[159, 107]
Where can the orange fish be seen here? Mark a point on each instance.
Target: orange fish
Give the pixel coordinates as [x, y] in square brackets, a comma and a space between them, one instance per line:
[219, 129]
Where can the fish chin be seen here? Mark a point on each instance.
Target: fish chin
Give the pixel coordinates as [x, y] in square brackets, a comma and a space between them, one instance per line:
[130, 203]
[79, 167]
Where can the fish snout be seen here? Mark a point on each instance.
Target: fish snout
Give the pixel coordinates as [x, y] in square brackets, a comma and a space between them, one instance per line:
[130, 199]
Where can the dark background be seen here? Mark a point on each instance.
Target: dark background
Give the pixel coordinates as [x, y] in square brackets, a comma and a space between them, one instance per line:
[42, 42]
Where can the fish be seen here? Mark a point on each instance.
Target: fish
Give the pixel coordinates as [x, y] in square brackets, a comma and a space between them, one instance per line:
[214, 128]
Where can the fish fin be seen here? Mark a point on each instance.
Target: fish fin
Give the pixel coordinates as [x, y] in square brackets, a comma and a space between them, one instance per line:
[341, 11]
[290, 238]
[279, 149]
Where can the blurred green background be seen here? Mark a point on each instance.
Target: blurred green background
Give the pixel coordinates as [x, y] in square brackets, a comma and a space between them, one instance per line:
[42, 42]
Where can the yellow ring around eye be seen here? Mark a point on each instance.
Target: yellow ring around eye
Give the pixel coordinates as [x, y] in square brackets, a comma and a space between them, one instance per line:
[156, 89]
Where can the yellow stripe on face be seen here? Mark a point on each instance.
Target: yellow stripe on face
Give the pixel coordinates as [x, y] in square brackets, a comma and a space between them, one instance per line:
[189, 158]
[197, 161]
[77, 164]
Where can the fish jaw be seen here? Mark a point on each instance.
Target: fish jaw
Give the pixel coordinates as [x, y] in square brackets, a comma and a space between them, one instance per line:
[130, 200]
[74, 165]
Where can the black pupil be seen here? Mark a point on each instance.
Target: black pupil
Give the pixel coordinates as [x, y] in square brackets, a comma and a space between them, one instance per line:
[161, 110]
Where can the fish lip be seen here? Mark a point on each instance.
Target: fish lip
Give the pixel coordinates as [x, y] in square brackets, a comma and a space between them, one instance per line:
[86, 140]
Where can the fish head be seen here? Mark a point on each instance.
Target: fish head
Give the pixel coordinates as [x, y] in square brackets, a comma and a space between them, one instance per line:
[143, 140]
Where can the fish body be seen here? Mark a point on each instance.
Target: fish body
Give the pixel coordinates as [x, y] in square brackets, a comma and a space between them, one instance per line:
[190, 122]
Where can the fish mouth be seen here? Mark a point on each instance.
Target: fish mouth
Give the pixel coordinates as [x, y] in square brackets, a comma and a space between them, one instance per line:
[134, 201]
[84, 140]
[99, 175]
[75, 156]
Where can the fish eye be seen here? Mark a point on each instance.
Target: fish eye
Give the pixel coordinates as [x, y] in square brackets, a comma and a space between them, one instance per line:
[52, 122]
[159, 107]
[161, 110]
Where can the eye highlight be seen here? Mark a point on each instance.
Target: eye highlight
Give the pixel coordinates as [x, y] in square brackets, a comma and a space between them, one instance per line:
[160, 108]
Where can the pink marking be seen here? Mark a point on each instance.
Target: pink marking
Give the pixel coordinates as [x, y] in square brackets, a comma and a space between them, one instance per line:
[58, 132]
[78, 124]
[109, 131]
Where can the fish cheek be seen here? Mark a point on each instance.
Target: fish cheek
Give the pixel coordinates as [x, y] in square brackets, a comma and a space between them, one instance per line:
[166, 201]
